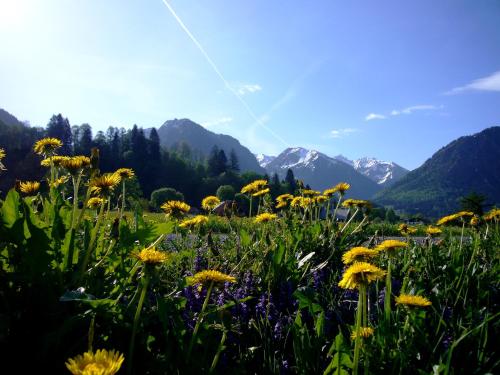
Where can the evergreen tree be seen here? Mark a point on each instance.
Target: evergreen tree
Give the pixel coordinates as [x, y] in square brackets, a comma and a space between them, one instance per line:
[290, 181]
[154, 146]
[222, 162]
[275, 185]
[234, 164]
[473, 202]
[59, 127]
[213, 162]
[75, 135]
[85, 142]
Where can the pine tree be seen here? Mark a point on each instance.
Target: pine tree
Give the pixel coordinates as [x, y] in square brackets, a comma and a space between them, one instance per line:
[290, 181]
[59, 127]
[234, 164]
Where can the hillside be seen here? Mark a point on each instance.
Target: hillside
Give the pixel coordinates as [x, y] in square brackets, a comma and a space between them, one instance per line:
[199, 139]
[468, 164]
[8, 119]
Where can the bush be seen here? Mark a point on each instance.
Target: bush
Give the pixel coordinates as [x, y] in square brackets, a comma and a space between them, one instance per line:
[160, 196]
[225, 192]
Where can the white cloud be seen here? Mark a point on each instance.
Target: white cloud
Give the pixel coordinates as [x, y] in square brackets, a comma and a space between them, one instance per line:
[410, 110]
[217, 122]
[374, 116]
[246, 88]
[403, 111]
[340, 133]
[490, 83]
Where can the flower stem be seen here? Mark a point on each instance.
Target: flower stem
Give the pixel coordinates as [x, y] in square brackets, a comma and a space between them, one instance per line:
[93, 238]
[219, 350]
[76, 184]
[145, 283]
[123, 200]
[199, 320]
[388, 292]
[359, 317]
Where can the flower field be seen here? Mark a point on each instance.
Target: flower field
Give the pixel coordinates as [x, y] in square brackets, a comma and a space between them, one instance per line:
[88, 288]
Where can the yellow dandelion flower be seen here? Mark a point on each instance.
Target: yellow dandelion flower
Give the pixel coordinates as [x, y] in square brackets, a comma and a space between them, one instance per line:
[281, 205]
[29, 187]
[75, 164]
[2, 153]
[56, 160]
[175, 208]
[389, 245]
[210, 202]
[453, 217]
[95, 202]
[296, 202]
[493, 214]
[360, 273]
[342, 187]
[101, 362]
[284, 198]
[59, 181]
[309, 192]
[306, 202]
[359, 203]
[151, 256]
[197, 220]
[208, 276]
[405, 229]
[125, 173]
[358, 254]
[321, 199]
[412, 301]
[105, 184]
[432, 231]
[47, 146]
[329, 192]
[261, 192]
[363, 332]
[265, 217]
[254, 187]
[474, 221]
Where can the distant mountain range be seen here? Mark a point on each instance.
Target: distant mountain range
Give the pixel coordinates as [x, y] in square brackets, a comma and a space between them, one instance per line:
[321, 171]
[384, 173]
[174, 132]
[468, 164]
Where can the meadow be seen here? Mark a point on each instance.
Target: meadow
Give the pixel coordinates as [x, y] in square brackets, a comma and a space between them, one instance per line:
[87, 287]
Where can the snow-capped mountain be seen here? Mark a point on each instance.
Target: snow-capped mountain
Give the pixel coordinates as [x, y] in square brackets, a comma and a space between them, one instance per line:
[321, 171]
[344, 159]
[382, 172]
[264, 160]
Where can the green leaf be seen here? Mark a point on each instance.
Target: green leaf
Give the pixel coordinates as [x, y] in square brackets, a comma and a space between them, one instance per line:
[10, 209]
[320, 324]
[245, 238]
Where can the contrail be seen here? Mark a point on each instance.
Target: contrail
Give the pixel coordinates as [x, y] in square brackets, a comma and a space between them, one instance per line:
[221, 76]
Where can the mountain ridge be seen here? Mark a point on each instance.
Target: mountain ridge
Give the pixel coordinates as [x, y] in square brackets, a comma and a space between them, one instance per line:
[468, 164]
[384, 173]
[321, 171]
[176, 131]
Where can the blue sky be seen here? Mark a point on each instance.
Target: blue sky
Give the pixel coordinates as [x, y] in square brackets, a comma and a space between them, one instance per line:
[392, 79]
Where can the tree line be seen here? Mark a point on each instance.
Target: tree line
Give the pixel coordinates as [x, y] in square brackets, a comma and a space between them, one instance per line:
[156, 167]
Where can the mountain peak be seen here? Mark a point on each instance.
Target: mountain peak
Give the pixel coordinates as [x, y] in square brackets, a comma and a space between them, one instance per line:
[201, 141]
[264, 160]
